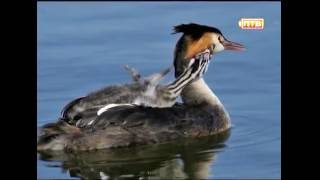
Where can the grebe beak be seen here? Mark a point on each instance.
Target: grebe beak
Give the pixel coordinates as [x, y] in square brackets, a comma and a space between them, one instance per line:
[229, 45]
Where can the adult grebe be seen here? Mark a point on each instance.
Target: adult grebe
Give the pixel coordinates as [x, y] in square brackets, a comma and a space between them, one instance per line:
[201, 113]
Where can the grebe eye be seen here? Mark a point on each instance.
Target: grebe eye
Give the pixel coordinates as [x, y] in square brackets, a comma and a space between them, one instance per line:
[220, 38]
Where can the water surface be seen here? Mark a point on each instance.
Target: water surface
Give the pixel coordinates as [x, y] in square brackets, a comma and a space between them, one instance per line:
[82, 46]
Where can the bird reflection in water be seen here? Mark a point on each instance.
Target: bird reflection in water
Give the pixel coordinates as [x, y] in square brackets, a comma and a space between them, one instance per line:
[186, 158]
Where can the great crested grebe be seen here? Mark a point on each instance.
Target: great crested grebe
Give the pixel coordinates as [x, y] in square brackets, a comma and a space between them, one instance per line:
[201, 113]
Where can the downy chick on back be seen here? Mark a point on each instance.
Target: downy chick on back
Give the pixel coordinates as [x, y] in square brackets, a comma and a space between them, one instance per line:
[143, 91]
[158, 95]
[149, 92]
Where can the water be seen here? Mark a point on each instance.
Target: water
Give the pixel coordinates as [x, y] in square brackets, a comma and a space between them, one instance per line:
[82, 46]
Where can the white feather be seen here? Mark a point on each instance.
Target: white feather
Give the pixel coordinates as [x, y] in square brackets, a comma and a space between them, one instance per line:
[109, 106]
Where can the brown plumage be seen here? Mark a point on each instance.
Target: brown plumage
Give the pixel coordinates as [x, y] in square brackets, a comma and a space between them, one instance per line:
[198, 45]
[195, 39]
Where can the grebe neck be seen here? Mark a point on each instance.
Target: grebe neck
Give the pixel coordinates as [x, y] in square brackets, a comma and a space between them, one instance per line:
[198, 92]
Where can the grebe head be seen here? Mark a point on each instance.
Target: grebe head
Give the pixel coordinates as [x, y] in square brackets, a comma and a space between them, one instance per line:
[195, 39]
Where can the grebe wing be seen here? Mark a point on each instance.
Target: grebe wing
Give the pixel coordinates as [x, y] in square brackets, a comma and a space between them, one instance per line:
[66, 109]
[95, 100]
[114, 94]
[178, 120]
